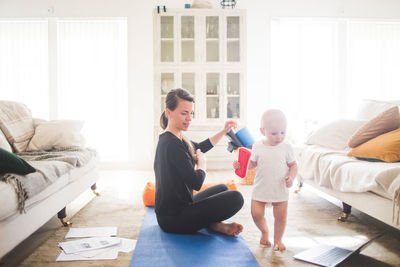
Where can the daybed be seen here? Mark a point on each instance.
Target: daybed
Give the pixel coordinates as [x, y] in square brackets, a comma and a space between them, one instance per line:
[361, 176]
[64, 169]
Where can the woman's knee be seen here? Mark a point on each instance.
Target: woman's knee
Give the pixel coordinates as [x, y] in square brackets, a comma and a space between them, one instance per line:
[222, 187]
[237, 199]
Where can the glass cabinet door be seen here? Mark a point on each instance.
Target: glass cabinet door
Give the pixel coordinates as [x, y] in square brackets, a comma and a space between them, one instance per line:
[167, 83]
[212, 39]
[167, 38]
[187, 39]
[212, 95]
[233, 95]
[233, 38]
[188, 81]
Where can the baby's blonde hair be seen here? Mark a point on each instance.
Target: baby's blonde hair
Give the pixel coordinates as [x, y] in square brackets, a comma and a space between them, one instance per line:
[272, 116]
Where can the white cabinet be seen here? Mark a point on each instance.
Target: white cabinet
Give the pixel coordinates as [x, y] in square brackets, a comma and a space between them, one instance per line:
[203, 51]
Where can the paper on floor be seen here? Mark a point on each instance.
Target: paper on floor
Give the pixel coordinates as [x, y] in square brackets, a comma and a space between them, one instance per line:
[88, 244]
[127, 245]
[91, 232]
[107, 254]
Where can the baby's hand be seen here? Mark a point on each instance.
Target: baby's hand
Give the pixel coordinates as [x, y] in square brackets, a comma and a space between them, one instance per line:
[288, 181]
[236, 164]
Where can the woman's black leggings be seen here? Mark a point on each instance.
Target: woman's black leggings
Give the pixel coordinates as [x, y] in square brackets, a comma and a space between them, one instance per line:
[214, 204]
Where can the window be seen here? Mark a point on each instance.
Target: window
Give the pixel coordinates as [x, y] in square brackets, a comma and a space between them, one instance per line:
[374, 61]
[304, 72]
[322, 69]
[92, 82]
[70, 69]
[24, 64]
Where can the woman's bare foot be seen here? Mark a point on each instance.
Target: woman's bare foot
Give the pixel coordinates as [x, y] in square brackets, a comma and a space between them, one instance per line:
[227, 228]
[265, 239]
[279, 246]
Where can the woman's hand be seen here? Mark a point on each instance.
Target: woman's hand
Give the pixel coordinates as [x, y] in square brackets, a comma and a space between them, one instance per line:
[201, 161]
[217, 137]
[236, 164]
[228, 125]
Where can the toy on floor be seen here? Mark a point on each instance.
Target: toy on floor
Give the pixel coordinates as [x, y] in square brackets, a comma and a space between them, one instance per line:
[243, 158]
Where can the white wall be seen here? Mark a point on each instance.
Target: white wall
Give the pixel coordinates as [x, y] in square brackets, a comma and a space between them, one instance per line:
[140, 44]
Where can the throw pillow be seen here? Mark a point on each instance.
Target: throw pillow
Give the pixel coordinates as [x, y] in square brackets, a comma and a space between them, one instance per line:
[56, 134]
[335, 134]
[4, 144]
[16, 123]
[386, 121]
[11, 163]
[370, 108]
[385, 147]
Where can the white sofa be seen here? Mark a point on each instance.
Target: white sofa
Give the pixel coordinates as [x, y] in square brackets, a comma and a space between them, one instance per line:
[368, 186]
[15, 226]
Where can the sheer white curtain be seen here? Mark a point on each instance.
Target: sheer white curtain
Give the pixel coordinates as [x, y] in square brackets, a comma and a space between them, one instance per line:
[373, 61]
[24, 64]
[70, 69]
[92, 82]
[304, 69]
[322, 69]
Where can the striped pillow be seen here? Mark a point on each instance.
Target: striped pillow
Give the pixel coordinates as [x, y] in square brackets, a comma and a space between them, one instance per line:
[17, 124]
[4, 143]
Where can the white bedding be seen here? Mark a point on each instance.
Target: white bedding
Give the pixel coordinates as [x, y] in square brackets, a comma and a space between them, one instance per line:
[333, 169]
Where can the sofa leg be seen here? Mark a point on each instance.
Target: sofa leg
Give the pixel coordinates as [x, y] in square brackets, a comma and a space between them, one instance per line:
[62, 215]
[346, 212]
[93, 187]
[299, 186]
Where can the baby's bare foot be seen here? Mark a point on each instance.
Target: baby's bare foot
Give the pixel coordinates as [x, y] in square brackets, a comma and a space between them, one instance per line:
[265, 239]
[227, 228]
[279, 246]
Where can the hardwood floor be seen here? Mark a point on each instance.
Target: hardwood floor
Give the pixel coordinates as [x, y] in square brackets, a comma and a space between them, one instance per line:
[311, 220]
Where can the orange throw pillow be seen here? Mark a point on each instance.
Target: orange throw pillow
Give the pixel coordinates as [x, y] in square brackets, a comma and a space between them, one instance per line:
[385, 147]
[149, 192]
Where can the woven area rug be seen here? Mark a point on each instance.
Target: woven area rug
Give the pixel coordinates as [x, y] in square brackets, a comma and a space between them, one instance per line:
[311, 220]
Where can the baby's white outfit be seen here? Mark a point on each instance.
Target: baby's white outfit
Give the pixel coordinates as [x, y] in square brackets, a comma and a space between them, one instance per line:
[269, 183]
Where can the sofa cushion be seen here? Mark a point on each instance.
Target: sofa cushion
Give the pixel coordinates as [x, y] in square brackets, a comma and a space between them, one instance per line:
[16, 123]
[334, 135]
[57, 134]
[386, 121]
[11, 163]
[4, 144]
[385, 147]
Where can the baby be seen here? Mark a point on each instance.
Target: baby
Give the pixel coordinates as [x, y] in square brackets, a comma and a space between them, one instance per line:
[276, 169]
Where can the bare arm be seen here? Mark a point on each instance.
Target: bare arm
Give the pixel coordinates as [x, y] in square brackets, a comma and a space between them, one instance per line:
[291, 173]
[217, 137]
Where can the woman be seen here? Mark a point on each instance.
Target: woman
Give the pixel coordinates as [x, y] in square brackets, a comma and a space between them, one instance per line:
[179, 167]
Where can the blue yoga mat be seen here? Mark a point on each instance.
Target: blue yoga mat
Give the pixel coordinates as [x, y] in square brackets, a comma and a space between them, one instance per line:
[204, 248]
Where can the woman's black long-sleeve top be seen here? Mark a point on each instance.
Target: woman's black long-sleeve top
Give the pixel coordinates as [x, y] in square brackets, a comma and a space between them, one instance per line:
[176, 177]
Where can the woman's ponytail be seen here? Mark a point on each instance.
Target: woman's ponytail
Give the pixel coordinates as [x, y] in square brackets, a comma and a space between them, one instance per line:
[163, 120]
